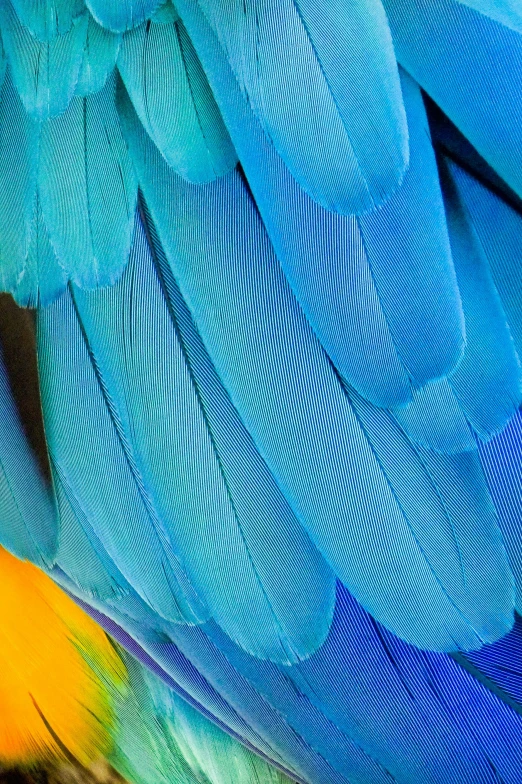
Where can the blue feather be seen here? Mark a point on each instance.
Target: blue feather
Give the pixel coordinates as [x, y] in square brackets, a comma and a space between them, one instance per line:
[301, 419]
[498, 227]
[502, 462]
[327, 261]
[174, 102]
[85, 446]
[237, 539]
[44, 72]
[99, 58]
[121, 15]
[507, 12]
[336, 118]
[87, 189]
[466, 62]
[488, 382]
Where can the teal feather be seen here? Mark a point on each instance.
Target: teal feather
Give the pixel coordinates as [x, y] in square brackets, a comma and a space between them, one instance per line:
[173, 100]
[28, 523]
[166, 14]
[99, 58]
[19, 139]
[88, 189]
[237, 539]
[43, 279]
[80, 553]
[293, 404]
[47, 19]
[121, 15]
[44, 72]
[336, 118]
[86, 449]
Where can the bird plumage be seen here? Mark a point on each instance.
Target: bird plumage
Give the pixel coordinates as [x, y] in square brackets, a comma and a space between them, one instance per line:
[275, 255]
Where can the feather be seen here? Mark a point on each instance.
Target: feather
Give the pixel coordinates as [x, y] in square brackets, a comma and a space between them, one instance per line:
[47, 19]
[435, 420]
[173, 100]
[237, 539]
[87, 189]
[465, 61]
[97, 470]
[507, 12]
[292, 403]
[43, 279]
[166, 14]
[326, 258]
[502, 462]
[321, 105]
[498, 228]
[19, 139]
[488, 382]
[99, 58]
[44, 72]
[121, 15]
[28, 525]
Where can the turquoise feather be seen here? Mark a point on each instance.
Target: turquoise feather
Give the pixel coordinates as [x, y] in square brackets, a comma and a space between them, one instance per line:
[43, 279]
[98, 471]
[99, 59]
[121, 15]
[341, 84]
[19, 140]
[488, 382]
[47, 19]
[506, 12]
[236, 538]
[292, 403]
[28, 523]
[173, 100]
[44, 72]
[88, 189]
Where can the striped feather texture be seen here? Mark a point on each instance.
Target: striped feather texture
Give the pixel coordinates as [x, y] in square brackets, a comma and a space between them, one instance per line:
[258, 339]
[321, 105]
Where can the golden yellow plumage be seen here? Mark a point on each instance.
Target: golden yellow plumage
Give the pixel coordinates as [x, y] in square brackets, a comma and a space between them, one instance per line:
[58, 671]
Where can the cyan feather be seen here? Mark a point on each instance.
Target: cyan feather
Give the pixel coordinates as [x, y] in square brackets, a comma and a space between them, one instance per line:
[340, 86]
[28, 523]
[507, 12]
[502, 462]
[47, 19]
[292, 402]
[326, 258]
[173, 100]
[19, 140]
[43, 279]
[488, 382]
[44, 72]
[99, 57]
[88, 189]
[236, 537]
[87, 450]
[498, 227]
[121, 15]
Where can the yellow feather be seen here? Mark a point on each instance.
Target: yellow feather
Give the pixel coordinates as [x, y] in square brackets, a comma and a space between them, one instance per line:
[58, 672]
